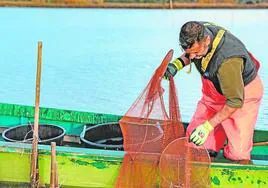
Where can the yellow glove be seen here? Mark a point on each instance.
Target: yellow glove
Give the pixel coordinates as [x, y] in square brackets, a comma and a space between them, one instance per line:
[200, 134]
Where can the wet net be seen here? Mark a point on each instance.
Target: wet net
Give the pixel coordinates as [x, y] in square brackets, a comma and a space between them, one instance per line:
[184, 165]
[147, 130]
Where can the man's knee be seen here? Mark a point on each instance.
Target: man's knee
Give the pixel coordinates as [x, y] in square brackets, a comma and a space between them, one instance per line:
[236, 154]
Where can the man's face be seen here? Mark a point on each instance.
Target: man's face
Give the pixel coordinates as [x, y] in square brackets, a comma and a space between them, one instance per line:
[199, 49]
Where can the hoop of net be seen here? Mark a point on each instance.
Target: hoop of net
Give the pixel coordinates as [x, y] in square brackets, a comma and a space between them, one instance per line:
[183, 165]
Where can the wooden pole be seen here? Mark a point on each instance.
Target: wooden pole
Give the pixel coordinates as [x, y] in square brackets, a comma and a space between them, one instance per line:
[34, 164]
[170, 4]
[57, 176]
[260, 144]
[53, 166]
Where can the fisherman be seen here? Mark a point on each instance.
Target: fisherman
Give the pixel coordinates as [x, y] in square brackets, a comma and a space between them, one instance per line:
[231, 89]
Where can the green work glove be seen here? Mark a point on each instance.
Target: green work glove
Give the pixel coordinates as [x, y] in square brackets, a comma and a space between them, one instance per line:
[200, 134]
[173, 68]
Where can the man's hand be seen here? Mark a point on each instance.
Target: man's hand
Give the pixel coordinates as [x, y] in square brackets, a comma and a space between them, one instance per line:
[173, 68]
[200, 134]
[171, 71]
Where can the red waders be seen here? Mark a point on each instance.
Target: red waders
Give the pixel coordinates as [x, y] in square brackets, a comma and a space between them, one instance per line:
[238, 128]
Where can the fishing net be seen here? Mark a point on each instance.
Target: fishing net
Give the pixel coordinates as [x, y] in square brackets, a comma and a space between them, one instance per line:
[184, 166]
[147, 129]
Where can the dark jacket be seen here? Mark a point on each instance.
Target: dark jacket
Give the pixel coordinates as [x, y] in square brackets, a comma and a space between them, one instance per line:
[229, 47]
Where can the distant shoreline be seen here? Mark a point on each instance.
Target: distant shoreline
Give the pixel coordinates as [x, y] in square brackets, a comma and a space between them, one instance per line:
[164, 5]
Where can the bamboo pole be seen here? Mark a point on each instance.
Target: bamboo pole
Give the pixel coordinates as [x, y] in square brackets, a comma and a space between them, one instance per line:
[53, 170]
[34, 163]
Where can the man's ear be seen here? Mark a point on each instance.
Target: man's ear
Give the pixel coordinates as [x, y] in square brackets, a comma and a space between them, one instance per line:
[207, 40]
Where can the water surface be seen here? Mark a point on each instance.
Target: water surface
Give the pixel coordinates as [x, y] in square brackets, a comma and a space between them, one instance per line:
[100, 60]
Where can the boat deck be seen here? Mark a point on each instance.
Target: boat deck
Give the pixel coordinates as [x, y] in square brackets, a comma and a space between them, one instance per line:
[84, 167]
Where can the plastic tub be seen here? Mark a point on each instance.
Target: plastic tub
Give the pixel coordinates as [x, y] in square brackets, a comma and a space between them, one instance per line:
[24, 133]
[103, 136]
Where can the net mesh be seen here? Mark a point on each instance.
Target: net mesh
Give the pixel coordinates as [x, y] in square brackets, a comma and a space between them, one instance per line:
[147, 129]
[182, 165]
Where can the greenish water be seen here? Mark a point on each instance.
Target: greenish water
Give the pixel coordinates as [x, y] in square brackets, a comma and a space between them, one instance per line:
[100, 60]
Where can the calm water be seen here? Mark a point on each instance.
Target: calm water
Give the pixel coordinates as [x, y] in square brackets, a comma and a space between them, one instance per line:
[100, 60]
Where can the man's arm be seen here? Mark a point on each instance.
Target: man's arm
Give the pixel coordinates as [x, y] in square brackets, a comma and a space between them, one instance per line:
[232, 85]
[176, 65]
[222, 115]
[181, 61]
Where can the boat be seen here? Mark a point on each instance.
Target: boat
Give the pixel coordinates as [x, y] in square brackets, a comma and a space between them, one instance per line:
[80, 166]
